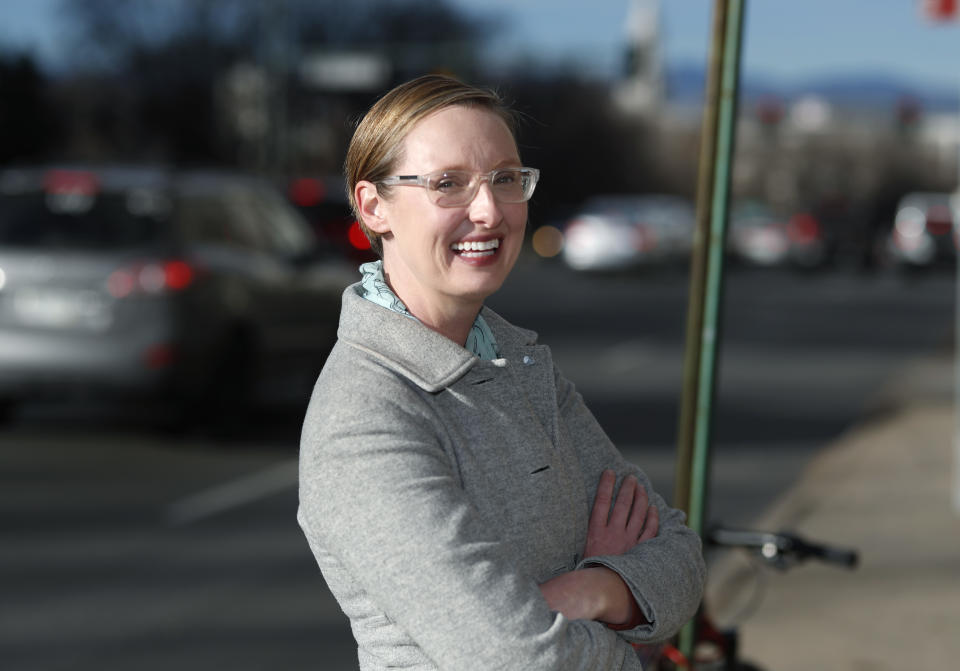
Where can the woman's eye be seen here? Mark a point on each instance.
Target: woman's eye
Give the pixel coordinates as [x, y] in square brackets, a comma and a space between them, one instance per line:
[505, 178]
[449, 183]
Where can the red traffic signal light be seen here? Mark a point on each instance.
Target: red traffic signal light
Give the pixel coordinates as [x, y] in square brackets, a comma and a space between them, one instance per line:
[940, 10]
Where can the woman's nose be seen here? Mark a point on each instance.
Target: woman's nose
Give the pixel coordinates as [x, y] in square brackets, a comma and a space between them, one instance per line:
[484, 208]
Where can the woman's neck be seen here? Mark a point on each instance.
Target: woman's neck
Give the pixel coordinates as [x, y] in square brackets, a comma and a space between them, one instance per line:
[447, 316]
[454, 322]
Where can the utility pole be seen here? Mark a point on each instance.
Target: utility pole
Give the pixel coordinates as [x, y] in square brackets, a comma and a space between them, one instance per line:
[706, 277]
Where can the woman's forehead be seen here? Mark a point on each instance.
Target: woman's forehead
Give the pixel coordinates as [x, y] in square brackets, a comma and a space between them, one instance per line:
[458, 136]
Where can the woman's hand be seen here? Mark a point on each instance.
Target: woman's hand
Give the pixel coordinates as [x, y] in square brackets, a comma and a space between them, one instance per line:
[576, 594]
[592, 593]
[597, 592]
[632, 520]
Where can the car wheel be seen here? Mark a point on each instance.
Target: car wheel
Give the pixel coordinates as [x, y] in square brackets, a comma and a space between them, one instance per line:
[221, 405]
[8, 408]
[229, 396]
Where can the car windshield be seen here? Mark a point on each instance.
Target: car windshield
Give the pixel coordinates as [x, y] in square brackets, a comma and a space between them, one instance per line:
[105, 221]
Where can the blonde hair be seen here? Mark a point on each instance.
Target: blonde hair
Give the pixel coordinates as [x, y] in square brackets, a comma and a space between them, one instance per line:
[377, 145]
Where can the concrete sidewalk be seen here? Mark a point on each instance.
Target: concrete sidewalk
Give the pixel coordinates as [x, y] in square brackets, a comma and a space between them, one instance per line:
[885, 488]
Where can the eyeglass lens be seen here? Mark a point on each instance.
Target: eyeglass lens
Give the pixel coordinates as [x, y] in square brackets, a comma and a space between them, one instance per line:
[454, 187]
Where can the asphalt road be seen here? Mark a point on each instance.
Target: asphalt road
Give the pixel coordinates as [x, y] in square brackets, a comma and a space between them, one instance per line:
[124, 549]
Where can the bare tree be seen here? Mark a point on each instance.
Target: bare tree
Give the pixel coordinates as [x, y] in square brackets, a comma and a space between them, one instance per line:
[28, 128]
[164, 64]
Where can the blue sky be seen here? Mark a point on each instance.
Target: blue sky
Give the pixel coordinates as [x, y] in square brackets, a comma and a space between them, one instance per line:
[788, 40]
[785, 39]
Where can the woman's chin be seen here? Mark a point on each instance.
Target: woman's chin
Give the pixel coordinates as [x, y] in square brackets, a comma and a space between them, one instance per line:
[477, 286]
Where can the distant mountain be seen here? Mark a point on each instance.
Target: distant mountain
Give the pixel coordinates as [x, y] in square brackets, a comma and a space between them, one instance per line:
[685, 85]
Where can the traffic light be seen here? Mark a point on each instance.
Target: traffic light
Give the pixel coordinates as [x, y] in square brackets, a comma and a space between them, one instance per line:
[940, 10]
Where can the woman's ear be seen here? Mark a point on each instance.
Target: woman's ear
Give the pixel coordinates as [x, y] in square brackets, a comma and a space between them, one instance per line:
[371, 206]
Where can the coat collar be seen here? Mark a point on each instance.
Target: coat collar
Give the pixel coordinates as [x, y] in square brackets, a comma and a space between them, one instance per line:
[406, 346]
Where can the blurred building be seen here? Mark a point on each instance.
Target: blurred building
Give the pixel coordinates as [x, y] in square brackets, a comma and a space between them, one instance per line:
[941, 132]
[641, 90]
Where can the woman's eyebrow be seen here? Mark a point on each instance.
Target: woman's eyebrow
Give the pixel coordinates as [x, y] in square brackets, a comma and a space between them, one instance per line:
[506, 163]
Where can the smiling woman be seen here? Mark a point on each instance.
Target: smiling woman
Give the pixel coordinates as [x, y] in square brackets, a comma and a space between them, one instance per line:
[464, 506]
[424, 231]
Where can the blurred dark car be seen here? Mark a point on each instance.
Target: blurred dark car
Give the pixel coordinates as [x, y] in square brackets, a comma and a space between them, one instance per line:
[620, 232]
[323, 203]
[761, 236]
[202, 290]
[924, 232]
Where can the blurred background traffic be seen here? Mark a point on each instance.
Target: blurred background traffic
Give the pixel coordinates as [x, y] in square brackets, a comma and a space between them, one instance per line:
[175, 236]
[106, 104]
[272, 87]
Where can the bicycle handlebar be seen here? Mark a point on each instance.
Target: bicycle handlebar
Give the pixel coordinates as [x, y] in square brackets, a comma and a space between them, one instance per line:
[776, 548]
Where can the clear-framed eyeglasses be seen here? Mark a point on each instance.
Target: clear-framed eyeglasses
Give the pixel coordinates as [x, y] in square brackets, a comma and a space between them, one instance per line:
[456, 188]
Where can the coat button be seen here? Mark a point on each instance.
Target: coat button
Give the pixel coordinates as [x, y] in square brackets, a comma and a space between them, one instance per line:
[528, 360]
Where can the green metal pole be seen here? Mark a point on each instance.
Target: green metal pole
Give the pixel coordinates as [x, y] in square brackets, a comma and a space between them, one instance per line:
[708, 335]
[698, 263]
[713, 292]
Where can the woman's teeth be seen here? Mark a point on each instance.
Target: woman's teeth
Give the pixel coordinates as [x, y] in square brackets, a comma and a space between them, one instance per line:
[475, 249]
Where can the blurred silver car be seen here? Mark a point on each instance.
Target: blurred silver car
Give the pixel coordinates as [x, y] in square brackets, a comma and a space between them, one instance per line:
[619, 232]
[924, 230]
[198, 289]
[758, 236]
[762, 236]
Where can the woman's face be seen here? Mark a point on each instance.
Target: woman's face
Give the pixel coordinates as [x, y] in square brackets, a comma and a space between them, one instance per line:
[422, 257]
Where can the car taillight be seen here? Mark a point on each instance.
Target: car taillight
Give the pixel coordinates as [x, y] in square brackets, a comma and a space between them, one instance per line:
[177, 275]
[357, 237]
[70, 191]
[150, 278]
[71, 182]
[307, 192]
[803, 228]
[939, 220]
[159, 356]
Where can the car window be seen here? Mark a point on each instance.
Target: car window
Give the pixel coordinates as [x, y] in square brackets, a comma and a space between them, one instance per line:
[250, 217]
[243, 221]
[284, 229]
[102, 221]
[205, 220]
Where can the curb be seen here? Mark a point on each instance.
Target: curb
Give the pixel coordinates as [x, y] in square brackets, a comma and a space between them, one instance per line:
[923, 382]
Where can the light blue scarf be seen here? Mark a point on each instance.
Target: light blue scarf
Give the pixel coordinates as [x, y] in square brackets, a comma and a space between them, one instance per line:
[374, 288]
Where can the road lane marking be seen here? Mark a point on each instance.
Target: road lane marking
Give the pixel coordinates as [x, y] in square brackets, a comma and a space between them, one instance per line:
[227, 496]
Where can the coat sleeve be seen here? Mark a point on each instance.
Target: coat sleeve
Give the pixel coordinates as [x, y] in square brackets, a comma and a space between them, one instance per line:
[378, 491]
[665, 574]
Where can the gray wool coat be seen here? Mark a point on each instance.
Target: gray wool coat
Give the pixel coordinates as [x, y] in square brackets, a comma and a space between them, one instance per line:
[437, 490]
